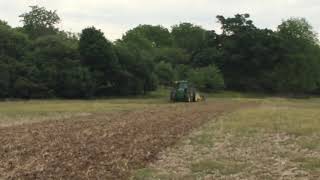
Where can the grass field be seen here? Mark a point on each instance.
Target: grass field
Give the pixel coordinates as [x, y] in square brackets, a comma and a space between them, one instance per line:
[278, 138]
[19, 112]
[30, 111]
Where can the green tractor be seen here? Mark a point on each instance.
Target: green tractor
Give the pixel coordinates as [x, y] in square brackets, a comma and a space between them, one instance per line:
[184, 91]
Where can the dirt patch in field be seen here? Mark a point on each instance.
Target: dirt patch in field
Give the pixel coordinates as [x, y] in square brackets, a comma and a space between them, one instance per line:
[230, 157]
[100, 146]
[245, 144]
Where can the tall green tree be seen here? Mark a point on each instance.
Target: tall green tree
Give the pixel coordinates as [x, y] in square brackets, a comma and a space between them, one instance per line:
[207, 56]
[39, 21]
[4, 23]
[12, 43]
[166, 73]
[298, 68]
[188, 36]
[240, 23]
[40, 61]
[249, 54]
[138, 65]
[53, 55]
[159, 36]
[174, 56]
[207, 78]
[298, 29]
[96, 51]
[4, 80]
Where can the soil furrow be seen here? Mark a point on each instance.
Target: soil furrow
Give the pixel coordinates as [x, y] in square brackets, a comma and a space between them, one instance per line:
[100, 146]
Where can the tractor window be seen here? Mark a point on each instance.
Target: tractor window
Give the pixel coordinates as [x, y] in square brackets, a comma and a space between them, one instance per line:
[183, 85]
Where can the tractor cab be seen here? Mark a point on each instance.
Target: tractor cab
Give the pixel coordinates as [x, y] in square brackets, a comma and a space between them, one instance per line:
[184, 91]
[182, 84]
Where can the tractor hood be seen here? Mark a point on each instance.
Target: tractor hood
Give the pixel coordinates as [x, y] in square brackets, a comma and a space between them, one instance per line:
[180, 94]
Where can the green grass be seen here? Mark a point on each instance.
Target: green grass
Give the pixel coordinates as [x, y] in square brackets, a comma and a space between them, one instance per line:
[307, 163]
[203, 139]
[143, 174]
[233, 94]
[275, 119]
[286, 129]
[309, 143]
[298, 119]
[149, 174]
[18, 112]
[214, 166]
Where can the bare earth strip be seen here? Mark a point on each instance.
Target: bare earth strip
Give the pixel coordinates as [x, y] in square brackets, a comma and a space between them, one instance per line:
[100, 146]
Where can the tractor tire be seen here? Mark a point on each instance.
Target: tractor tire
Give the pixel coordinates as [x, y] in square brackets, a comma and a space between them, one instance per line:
[172, 96]
[188, 99]
[194, 98]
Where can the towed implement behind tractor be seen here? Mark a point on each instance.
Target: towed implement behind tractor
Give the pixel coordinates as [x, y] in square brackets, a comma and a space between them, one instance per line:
[184, 91]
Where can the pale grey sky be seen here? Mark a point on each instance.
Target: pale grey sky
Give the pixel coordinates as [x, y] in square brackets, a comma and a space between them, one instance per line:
[115, 17]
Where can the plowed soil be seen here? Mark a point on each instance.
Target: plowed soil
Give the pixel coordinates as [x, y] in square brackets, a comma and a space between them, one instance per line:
[100, 146]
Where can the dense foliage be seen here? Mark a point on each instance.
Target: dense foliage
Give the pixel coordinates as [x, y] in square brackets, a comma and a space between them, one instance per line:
[38, 60]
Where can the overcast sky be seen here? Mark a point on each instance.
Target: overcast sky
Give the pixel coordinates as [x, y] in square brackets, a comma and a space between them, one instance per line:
[115, 17]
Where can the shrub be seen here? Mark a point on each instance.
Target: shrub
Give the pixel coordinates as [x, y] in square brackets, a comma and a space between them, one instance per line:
[207, 78]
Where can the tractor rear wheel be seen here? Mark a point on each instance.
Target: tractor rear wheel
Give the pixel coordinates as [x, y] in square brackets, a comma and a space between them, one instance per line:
[189, 98]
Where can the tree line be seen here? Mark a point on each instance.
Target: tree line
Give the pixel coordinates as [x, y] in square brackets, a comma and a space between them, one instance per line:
[38, 60]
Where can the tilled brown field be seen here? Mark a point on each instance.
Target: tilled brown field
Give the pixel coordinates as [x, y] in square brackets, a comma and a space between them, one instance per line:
[100, 146]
